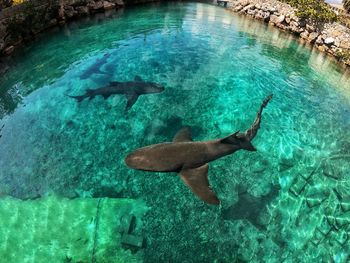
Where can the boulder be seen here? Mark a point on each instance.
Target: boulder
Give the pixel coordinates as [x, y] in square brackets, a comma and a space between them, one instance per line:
[95, 6]
[108, 6]
[304, 35]
[246, 8]
[251, 12]
[69, 11]
[82, 10]
[312, 37]
[237, 8]
[329, 41]
[273, 19]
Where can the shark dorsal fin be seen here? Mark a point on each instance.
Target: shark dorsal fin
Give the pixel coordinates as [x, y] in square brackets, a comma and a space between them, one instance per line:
[138, 78]
[231, 139]
[183, 135]
[197, 180]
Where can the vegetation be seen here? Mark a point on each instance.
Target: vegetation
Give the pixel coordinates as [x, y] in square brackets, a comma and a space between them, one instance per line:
[342, 55]
[346, 4]
[317, 11]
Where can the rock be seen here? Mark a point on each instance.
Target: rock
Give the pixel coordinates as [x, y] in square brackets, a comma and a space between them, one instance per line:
[344, 43]
[281, 19]
[238, 8]
[61, 12]
[304, 35]
[69, 11]
[322, 48]
[273, 19]
[9, 50]
[329, 41]
[310, 28]
[95, 6]
[82, 10]
[312, 37]
[319, 40]
[246, 8]
[285, 164]
[251, 12]
[108, 6]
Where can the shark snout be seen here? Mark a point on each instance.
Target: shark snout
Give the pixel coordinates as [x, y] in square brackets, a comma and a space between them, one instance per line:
[136, 161]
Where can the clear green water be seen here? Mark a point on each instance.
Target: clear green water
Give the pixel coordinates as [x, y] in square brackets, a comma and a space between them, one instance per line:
[216, 67]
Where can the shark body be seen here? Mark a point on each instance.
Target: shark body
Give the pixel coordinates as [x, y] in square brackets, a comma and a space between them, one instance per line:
[96, 67]
[131, 89]
[191, 159]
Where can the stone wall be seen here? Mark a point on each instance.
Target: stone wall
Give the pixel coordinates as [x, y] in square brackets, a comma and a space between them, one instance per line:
[331, 38]
[22, 22]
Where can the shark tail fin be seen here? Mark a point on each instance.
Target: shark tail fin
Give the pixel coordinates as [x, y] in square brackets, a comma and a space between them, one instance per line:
[252, 131]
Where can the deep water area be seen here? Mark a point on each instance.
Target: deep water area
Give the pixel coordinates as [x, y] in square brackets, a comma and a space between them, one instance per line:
[287, 202]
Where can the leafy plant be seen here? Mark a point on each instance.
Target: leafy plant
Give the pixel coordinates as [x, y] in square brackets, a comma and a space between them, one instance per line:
[316, 11]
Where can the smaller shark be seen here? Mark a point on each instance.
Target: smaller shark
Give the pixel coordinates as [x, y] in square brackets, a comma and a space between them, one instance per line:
[191, 159]
[132, 90]
[96, 67]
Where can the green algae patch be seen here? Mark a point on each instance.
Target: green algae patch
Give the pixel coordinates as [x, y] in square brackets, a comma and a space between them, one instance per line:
[64, 230]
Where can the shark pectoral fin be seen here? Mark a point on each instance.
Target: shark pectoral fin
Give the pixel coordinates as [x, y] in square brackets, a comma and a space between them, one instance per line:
[197, 180]
[132, 98]
[183, 135]
[138, 78]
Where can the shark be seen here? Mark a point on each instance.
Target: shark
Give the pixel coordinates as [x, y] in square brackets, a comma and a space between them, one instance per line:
[131, 89]
[190, 158]
[96, 67]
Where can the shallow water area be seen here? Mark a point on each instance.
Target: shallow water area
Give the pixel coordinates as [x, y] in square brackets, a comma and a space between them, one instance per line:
[287, 202]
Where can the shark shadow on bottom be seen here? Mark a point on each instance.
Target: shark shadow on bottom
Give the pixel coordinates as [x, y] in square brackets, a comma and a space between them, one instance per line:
[131, 89]
[248, 207]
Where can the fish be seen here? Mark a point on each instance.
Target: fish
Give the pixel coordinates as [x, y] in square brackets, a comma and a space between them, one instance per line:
[131, 89]
[191, 159]
[96, 67]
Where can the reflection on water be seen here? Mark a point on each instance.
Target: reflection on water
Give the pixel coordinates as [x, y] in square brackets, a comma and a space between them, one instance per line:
[216, 68]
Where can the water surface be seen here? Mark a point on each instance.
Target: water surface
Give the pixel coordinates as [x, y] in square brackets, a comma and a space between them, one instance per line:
[287, 202]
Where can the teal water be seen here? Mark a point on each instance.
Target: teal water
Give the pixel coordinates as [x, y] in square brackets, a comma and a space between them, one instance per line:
[287, 202]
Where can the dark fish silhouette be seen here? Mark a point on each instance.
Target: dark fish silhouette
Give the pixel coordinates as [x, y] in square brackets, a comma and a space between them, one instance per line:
[96, 67]
[132, 90]
[250, 207]
[191, 159]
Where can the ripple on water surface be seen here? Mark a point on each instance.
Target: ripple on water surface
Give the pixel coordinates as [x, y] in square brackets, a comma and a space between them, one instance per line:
[287, 201]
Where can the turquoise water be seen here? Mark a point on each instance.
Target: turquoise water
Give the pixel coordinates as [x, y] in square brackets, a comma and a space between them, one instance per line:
[287, 202]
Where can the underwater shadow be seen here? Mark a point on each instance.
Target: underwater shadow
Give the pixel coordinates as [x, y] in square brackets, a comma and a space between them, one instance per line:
[248, 207]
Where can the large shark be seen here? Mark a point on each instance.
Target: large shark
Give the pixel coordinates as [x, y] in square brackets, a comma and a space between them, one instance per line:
[191, 159]
[132, 90]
